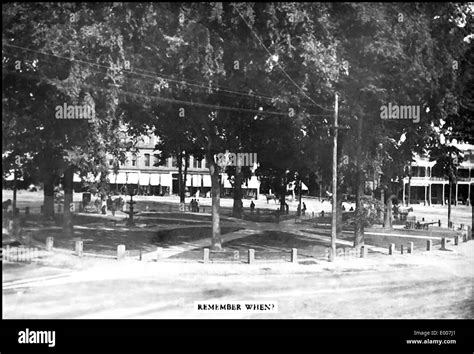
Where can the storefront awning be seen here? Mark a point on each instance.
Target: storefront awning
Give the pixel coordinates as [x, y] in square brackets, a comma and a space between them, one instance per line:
[252, 183]
[166, 180]
[206, 181]
[144, 179]
[226, 181]
[189, 180]
[155, 179]
[132, 178]
[119, 178]
[197, 180]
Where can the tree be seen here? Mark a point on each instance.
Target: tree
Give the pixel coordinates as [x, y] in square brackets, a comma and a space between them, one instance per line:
[48, 73]
[389, 61]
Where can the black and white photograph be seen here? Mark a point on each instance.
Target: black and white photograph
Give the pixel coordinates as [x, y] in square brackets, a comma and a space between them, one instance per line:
[238, 161]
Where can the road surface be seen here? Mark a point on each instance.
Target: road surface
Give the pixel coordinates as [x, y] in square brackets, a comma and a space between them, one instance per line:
[425, 285]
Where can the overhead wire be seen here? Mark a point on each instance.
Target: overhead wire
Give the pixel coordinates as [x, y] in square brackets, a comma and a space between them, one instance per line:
[160, 98]
[278, 64]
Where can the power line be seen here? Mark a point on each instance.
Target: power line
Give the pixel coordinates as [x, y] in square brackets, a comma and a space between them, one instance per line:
[278, 64]
[164, 99]
[155, 75]
[152, 77]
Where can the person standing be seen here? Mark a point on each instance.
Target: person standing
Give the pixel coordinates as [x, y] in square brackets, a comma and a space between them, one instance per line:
[104, 206]
[111, 205]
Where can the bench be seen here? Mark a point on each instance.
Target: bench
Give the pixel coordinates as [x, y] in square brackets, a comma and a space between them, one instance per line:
[424, 225]
[412, 224]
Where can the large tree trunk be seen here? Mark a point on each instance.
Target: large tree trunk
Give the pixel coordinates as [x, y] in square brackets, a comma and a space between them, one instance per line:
[359, 227]
[283, 195]
[300, 191]
[182, 195]
[409, 191]
[237, 207]
[216, 239]
[339, 215]
[180, 178]
[14, 213]
[388, 213]
[68, 199]
[449, 200]
[48, 193]
[382, 201]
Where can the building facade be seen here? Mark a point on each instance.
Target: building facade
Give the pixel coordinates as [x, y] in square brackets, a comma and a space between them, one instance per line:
[429, 186]
[142, 171]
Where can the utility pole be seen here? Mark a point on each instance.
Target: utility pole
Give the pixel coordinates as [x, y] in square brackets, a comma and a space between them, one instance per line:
[14, 214]
[332, 255]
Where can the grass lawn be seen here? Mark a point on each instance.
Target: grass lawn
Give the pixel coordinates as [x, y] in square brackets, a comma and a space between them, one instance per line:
[385, 240]
[105, 240]
[268, 245]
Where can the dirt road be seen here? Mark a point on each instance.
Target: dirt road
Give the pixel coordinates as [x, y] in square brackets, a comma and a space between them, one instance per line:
[427, 285]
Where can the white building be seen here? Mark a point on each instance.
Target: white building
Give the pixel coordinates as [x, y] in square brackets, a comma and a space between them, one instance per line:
[429, 186]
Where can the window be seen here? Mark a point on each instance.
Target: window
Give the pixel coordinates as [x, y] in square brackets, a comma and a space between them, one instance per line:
[134, 159]
[147, 160]
[156, 160]
[111, 162]
[469, 156]
[196, 163]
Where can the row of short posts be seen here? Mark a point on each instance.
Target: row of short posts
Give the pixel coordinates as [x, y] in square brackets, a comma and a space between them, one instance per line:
[429, 245]
[251, 255]
[408, 249]
[79, 248]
